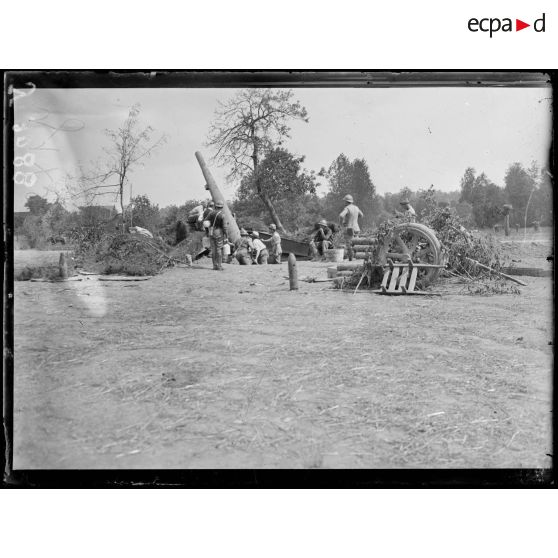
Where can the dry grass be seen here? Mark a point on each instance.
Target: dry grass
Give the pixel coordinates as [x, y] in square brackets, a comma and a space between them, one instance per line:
[202, 369]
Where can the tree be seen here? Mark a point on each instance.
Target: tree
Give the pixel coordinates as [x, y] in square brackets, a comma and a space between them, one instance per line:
[487, 201]
[286, 184]
[37, 205]
[540, 208]
[129, 146]
[467, 184]
[428, 202]
[141, 212]
[364, 190]
[464, 211]
[520, 186]
[350, 177]
[247, 127]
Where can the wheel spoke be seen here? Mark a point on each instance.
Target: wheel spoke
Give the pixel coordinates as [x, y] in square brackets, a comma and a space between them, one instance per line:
[400, 244]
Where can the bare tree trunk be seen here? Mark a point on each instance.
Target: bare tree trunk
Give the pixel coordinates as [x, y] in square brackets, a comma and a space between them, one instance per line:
[271, 209]
[264, 197]
[123, 219]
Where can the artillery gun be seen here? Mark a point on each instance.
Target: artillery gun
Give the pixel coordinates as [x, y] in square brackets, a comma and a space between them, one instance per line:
[415, 243]
[409, 254]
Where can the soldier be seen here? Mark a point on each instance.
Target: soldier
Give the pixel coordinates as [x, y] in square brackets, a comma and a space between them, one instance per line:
[260, 253]
[217, 235]
[408, 211]
[275, 245]
[321, 240]
[244, 248]
[349, 219]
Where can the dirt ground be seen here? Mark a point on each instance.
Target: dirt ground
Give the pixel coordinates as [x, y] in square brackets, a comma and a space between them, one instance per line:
[202, 369]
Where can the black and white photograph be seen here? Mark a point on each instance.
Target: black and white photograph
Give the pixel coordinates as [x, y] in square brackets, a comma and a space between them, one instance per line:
[336, 271]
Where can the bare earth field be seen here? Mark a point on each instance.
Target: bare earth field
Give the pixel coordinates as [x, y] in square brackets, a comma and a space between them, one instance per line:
[203, 369]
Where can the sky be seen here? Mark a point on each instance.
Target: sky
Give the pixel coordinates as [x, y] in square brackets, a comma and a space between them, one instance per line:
[410, 137]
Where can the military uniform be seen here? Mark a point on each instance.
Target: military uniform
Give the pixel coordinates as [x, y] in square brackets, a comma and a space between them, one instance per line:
[244, 249]
[217, 236]
[349, 218]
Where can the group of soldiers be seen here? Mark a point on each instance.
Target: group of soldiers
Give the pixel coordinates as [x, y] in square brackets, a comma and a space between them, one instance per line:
[253, 250]
[322, 239]
[249, 249]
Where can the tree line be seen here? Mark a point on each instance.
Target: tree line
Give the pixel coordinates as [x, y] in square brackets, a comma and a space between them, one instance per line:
[248, 136]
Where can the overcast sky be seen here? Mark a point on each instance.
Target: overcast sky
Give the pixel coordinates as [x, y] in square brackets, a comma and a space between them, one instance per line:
[410, 137]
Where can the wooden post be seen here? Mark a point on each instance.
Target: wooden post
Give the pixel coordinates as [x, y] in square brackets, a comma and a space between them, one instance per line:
[233, 232]
[507, 225]
[293, 274]
[63, 266]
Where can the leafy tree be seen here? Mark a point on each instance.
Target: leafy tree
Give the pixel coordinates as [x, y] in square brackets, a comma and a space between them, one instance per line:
[55, 220]
[540, 208]
[37, 205]
[464, 211]
[467, 185]
[34, 231]
[428, 202]
[130, 145]
[350, 177]
[287, 185]
[487, 201]
[339, 175]
[520, 186]
[142, 213]
[249, 126]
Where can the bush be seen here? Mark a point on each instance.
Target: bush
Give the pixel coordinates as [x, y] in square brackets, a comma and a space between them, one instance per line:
[45, 272]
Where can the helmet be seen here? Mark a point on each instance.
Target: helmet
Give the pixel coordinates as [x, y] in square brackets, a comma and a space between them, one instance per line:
[273, 226]
[404, 202]
[219, 204]
[348, 198]
[323, 222]
[255, 234]
[210, 203]
[243, 232]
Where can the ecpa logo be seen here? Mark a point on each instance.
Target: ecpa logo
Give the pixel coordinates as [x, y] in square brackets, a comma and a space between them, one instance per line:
[494, 24]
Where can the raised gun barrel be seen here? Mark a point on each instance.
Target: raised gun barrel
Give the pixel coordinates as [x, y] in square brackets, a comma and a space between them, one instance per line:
[233, 232]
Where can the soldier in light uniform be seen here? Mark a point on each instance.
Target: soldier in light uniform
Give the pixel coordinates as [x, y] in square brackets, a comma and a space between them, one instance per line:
[260, 253]
[275, 245]
[408, 211]
[349, 219]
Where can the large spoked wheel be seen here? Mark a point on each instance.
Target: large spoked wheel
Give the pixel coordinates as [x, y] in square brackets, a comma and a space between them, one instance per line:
[415, 242]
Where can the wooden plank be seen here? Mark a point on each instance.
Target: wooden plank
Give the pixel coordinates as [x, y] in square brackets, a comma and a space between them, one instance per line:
[401, 293]
[528, 271]
[412, 280]
[126, 278]
[385, 278]
[403, 278]
[348, 266]
[365, 241]
[393, 281]
[420, 265]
